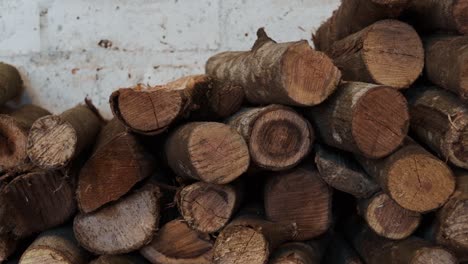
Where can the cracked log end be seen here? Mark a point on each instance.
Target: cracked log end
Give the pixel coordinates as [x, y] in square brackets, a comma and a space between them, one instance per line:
[295, 253]
[208, 151]
[177, 243]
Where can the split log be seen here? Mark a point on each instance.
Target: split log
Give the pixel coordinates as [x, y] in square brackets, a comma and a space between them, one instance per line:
[10, 82]
[277, 136]
[14, 129]
[387, 219]
[352, 16]
[388, 52]
[412, 177]
[207, 151]
[55, 246]
[447, 62]
[434, 15]
[342, 172]
[278, 73]
[55, 140]
[119, 259]
[366, 119]
[250, 239]
[297, 253]
[34, 200]
[299, 197]
[7, 247]
[177, 243]
[114, 229]
[208, 207]
[451, 225]
[150, 111]
[116, 165]
[340, 252]
[440, 120]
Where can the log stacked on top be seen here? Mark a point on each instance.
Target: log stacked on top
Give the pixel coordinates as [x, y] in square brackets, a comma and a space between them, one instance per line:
[278, 154]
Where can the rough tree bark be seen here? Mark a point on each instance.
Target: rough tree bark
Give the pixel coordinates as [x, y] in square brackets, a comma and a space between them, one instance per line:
[447, 63]
[10, 82]
[119, 259]
[277, 136]
[113, 229]
[177, 243]
[440, 120]
[207, 151]
[366, 119]
[299, 197]
[55, 140]
[14, 129]
[412, 177]
[388, 52]
[283, 73]
[150, 111]
[118, 162]
[342, 172]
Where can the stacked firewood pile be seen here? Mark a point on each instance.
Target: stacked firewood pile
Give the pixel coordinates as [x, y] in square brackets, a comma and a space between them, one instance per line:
[356, 152]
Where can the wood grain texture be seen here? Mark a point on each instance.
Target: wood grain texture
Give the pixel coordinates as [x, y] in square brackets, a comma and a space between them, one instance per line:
[352, 16]
[207, 151]
[299, 197]
[440, 120]
[366, 119]
[388, 52]
[282, 73]
[296, 253]
[10, 82]
[55, 140]
[177, 243]
[121, 227]
[14, 129]
[412, 177]
[119, 259]
[277, 136]
[118, 162]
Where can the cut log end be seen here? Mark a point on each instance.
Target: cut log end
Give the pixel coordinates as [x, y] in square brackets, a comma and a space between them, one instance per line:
[146, 111]
[388, 219]
[380, 122]
[52, 142]
[295, 253]
[241, 244]
[309, 76]
[207, 207]
[420, 183]
[434, 255]
[393, 53]
[45, 255]
[280, 139]
[460, 9]
[13, 142]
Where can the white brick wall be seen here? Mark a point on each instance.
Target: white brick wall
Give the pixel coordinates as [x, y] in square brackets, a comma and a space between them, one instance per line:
[54, 43]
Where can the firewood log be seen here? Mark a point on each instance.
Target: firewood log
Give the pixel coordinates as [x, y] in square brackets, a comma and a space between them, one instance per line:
[366, 119]
[8, 245]
[339, 251]
[10, 82]
[119, 259]
[278, 73]
[297, 253]
[277, 136]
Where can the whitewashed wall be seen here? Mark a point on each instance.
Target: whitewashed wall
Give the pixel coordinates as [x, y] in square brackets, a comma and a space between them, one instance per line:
[69, 49]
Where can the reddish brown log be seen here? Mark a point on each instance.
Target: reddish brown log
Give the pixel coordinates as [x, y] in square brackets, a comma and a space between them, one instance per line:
[297, 253]
[10, 82]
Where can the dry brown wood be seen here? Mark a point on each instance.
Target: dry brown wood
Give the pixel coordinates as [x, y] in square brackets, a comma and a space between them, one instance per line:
[451, 225]
[277, 136]
[55, 140]
[278, 73]
[119, 259]
[387, 219]
[388, 52]
[412, 177]
[208, 207]
[440, 120]
[7, 247]
[14, 129]
[340, 252]
[434, 15]
[250, 239]
[116, 165]
[299, 197]
[56, 246]
[10, 82]
[34, 200]
[152, 110]
[340, 170]
[352, 16]
[296, 253]
[177, 243]
[121, 227]
[207, 151]
[367, 119]
[447, 62]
